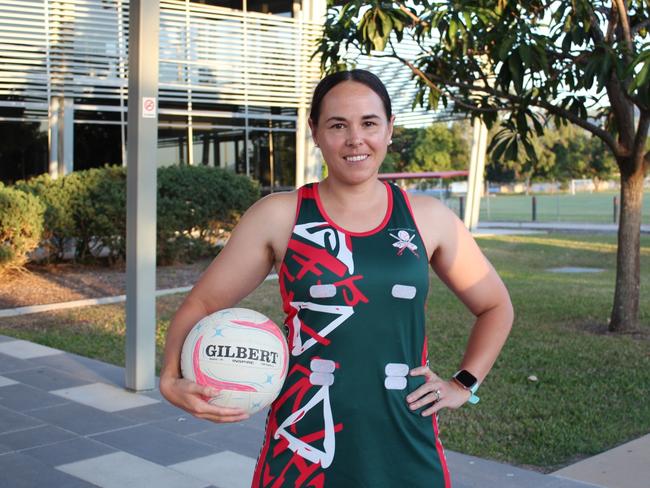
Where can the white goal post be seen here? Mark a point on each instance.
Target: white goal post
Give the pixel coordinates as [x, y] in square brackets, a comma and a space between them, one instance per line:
[582, 185]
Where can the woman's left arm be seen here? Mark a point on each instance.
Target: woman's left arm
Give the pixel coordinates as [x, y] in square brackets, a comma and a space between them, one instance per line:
[461, 265]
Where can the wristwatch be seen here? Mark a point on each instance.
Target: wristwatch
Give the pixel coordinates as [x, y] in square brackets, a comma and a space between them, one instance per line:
[469, 382]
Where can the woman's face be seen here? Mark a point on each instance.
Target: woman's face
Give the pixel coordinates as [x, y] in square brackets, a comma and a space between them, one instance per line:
[352, 132]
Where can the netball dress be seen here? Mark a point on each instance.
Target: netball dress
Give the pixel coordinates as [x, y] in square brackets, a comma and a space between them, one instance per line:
[354, 305]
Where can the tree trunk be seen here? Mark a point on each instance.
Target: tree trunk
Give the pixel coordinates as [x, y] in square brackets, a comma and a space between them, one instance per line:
[625, 312]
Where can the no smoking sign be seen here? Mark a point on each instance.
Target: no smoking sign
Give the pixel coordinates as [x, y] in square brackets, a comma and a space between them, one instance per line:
[148, 107]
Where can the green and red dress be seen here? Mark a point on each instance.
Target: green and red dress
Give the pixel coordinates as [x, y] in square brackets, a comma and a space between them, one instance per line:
[355, 324]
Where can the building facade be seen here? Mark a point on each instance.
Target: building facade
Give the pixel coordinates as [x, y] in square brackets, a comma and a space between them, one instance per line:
[235, 82]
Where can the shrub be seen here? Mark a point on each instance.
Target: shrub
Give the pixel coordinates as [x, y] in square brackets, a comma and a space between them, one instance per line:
[98, 201]
[59, 224]
[21, 227]
[88, 208]
[194, 204]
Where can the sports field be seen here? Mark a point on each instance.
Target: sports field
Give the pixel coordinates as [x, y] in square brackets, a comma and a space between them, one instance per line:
[560, 207]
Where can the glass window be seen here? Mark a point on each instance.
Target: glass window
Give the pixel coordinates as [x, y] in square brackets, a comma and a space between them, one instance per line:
[222, 147]
[278, 7]
[228, 154]
[172, 146]
[238, 5]
[96, 145]
[23, 150]
[203, 147]
[273, 156]
[230, 150]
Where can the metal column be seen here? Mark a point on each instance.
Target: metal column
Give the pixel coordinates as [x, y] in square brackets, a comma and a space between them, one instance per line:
[66, 136]
[309, 161]
[141, 195]
[302, 129]
[53, 136]
[61, 136]
[475, 179]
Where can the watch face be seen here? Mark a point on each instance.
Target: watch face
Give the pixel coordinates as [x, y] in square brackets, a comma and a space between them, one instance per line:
[465, 378]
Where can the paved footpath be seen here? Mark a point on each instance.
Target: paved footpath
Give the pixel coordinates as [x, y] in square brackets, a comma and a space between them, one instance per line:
[67, 421]
[575, 227]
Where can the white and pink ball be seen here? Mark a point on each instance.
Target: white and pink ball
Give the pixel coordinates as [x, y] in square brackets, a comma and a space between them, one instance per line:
[241, 353]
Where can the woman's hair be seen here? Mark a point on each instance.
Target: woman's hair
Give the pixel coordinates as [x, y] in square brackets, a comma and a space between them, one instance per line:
[358, 75]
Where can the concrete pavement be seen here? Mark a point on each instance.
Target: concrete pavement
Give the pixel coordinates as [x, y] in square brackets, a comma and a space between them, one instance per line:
[555, 226]
[625, 466]
[67, 421]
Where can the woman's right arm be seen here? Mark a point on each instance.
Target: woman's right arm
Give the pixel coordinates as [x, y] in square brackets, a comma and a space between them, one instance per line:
[258, 240]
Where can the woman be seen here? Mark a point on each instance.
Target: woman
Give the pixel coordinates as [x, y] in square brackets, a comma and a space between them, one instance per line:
[359, 406]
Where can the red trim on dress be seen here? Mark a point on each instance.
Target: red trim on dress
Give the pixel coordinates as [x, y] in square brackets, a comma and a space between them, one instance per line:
[408, 204]
[382, 224]
[306, 192]
[434, 421]
[257, 476]
[302, 193]
[425, 351]
[441, 452]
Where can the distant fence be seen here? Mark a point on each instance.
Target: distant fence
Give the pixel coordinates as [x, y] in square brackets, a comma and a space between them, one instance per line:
[581, 207]
[547, 203]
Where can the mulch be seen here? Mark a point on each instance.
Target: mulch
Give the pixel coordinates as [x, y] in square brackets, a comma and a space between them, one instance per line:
[55, 283]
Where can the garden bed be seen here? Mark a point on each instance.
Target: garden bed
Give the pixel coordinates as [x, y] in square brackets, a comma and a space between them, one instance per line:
[55, 283]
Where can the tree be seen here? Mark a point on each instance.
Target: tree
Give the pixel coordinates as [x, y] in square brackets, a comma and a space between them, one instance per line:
[578, 154]
[438, 147]
[542, 167]
[562, 154]
[400, 152]
[581, 62]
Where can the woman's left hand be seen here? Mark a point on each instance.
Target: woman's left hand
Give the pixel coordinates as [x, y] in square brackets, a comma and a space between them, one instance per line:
[435, 392]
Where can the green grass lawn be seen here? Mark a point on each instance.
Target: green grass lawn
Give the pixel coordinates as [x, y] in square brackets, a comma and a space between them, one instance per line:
[561, 207]
[592, 386]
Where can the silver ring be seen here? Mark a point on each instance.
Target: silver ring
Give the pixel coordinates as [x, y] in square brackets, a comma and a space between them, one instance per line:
[437, 394]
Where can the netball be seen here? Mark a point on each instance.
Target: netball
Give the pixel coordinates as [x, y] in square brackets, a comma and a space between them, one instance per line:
[240, 352]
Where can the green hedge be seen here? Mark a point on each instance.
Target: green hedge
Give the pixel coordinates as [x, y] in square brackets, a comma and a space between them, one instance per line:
[84, 209]
[58, 219]
[87, 209]
[194, 204]
[21, 227]
[98, 198]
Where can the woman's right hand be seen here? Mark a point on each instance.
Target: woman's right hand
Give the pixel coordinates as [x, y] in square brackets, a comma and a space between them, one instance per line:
[191, 397]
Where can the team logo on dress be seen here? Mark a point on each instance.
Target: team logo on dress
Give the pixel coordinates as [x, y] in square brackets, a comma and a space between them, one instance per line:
[404, 241]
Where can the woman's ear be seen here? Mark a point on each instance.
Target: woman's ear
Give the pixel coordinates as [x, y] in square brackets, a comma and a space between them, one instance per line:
[312, 127]
[391, 122]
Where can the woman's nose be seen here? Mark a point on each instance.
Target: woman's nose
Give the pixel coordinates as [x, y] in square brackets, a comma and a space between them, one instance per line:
[354, 138]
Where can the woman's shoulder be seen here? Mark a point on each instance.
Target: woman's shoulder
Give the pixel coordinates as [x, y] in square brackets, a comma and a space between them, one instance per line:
[434, 220]
[280, 201]
[276, 210]
[427, 205]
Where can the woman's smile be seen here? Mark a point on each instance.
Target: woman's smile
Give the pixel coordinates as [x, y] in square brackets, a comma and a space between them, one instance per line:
[354, 158]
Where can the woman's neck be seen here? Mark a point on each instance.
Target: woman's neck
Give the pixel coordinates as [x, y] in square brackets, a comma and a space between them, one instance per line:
[346, 195]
